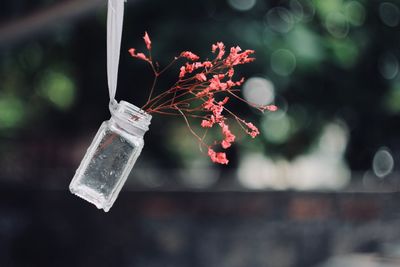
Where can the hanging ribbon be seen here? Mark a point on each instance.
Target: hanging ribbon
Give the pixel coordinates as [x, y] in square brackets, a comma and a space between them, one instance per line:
[115, 18]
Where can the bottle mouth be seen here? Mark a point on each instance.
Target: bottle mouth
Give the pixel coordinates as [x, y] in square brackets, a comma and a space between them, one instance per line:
[131, 114]
[136, 112]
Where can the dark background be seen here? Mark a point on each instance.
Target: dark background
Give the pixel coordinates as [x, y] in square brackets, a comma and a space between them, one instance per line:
[318, 185]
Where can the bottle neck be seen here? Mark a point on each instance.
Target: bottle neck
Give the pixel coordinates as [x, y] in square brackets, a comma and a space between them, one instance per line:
[130, 118]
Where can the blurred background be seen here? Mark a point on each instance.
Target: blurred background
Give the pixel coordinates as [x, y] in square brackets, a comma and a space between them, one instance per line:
[318, 187]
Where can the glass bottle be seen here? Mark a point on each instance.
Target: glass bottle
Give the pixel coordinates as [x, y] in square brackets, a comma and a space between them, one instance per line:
[111, 156]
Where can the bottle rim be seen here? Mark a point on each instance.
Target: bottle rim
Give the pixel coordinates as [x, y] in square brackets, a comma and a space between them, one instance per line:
[136, 109]
[130, 114]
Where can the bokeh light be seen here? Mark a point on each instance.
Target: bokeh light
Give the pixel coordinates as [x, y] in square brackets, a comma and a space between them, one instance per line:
[242, 5]
[283, 62]
[322, 168]
[355, 13]
[345, 52]
[388, 65]
[317, 171]
[297, 10]
[337, 25]
[309, 50]
[305, 8]
[259, 91]
[58, 88]
[389, 14]
[392, 99]
[325, 7]
[276, 127]
[383, 162]
[11, 112]
[334, 139]
[267, 175]
[280, 19]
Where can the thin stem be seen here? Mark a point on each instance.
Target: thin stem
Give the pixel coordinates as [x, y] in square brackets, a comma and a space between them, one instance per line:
[190, 128]
[202, 139]
[164, 104]
[176, 114]
[245, 101]
[151, 90]
[155, 100]
[239, 120]
[181, 84]
[162, 95]
[168, 66]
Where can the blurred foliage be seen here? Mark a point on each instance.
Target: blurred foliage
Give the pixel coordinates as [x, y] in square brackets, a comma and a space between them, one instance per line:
[329, 60]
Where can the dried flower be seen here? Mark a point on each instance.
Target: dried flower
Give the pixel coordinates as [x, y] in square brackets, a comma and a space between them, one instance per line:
[253, 130]
[221, 47]
[141, 56]
[198, 92]
[189, 55]
[217, 157]
[147, 41]
[229, 138]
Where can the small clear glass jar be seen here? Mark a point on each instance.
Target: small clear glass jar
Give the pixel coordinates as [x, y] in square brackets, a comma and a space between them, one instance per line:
[111, 156]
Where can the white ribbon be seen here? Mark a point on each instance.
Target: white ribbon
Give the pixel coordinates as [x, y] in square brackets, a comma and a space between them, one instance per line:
[115, 18]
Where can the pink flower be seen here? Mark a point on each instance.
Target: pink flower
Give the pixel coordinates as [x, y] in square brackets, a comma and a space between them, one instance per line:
[230, 84]
[268, 107]
[147, 40]
[216, 84]
[231, 71]
[141, 56]
[201, 77]
[207, 64]
[207, 123]
[236, 58]
[217, 157]
[223, 102]
[197, 65]
[236, 49]
[189, 55]
[132, 52]
[225, 144]
[253, 130]
[229, 138]
[182, 72]
[254, 134]
[239, 83]
[216, 109]
[191, 67]
[202, 92]
[209, 104]
[221, 47]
